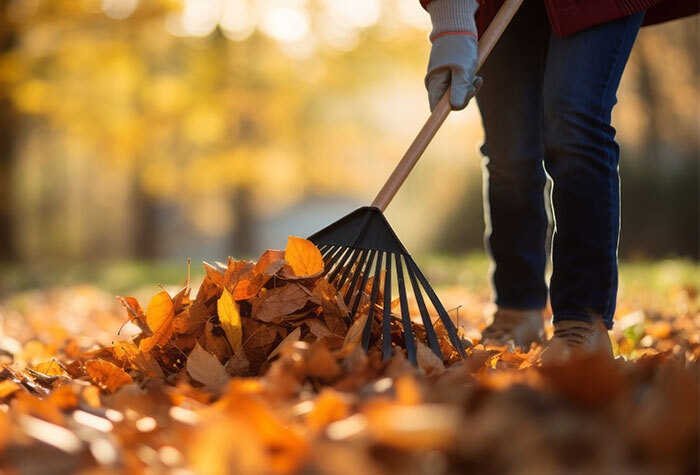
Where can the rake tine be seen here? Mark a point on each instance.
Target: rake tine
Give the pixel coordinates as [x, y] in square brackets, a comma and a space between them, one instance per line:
[328, 265]
[327, 251]
[446, 320]
[355, 276]
[373, 297]
[429, 330]
[339, 266]
[348, 268]
[386, 318]
[361, 288]
[405, 316]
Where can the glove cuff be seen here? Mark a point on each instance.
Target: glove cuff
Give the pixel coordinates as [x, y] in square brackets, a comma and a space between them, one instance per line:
[452, 16]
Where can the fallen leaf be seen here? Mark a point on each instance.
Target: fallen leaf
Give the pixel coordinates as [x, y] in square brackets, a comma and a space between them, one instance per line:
[238, 365]
[159, 316]
[106, 375]
[205, 368]
[50, 368]
[8, 387]
[427, 360]
[278, 302]
[303, 257]
[191, 319]
[291, 338]
[354, 335]
[230, 320]
[134, 311]
[270, 262]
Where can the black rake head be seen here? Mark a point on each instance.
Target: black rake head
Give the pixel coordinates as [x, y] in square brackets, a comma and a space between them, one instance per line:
[362, 245]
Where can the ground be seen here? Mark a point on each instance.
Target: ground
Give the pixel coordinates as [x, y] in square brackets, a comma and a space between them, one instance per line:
[75, 395]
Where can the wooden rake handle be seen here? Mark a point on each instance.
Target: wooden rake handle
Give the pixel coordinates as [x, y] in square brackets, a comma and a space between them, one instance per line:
[426, 134]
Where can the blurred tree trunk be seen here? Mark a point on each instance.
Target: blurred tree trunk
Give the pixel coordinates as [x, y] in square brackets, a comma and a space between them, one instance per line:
[8, 131]
[243, 235]
[145, 222]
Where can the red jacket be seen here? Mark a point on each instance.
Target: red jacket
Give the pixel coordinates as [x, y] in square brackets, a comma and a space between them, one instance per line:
[570, 16]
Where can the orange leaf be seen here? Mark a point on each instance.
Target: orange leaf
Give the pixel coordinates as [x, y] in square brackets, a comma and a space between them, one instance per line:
[303, 257]
[134, 311]
[106, 375]
[50, 368]
[270, 262]
[8, 387]
[159, 316]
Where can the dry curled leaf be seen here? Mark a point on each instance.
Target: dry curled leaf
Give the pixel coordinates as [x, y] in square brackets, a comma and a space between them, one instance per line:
[205, 368]
[278, 302]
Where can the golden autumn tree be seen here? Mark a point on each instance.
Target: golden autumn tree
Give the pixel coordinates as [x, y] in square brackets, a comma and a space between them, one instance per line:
[163, 110]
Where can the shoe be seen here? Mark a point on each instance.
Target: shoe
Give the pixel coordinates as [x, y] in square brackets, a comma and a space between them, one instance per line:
[577, 338]
[522, 327]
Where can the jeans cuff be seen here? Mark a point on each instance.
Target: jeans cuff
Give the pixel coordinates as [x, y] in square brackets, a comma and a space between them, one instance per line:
[581, 317]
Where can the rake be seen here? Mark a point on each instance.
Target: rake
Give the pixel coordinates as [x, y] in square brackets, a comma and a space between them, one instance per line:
[363, 244]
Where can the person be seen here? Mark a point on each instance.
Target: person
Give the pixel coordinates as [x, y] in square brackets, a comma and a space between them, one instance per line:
[546, 95]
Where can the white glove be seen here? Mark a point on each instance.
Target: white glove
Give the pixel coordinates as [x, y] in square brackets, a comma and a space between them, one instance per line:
[453, 57]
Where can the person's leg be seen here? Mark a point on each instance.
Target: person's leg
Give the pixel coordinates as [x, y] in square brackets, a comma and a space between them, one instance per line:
[582, 75]
[510, 101]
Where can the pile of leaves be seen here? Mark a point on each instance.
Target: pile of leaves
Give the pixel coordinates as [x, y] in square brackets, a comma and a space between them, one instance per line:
[261, 372]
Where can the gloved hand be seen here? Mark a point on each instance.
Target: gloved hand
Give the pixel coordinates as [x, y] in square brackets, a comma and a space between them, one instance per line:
[453, 57]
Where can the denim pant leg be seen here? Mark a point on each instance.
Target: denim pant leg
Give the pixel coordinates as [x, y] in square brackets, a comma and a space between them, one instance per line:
[510, 102]
[582, 75]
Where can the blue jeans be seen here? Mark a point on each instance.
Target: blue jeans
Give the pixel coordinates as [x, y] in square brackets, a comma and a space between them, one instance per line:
[546, 104]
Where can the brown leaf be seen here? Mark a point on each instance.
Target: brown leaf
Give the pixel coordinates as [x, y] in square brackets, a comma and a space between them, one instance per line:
[191, 319]
[208, 291]
[258, 339]
[106, 375]
[215, 342]
[238, 365]
[278, 302]
[317, 328]
[205, 368]
[354, 335]
[291, 338]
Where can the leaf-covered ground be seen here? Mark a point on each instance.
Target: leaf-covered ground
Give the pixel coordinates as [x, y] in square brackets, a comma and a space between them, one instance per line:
[257, 371]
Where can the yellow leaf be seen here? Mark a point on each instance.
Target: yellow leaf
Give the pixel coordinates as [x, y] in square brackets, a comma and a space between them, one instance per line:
[230, 319]
[303, 257]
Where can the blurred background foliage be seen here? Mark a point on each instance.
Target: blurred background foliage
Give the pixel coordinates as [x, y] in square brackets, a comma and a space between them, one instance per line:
[164, 129]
